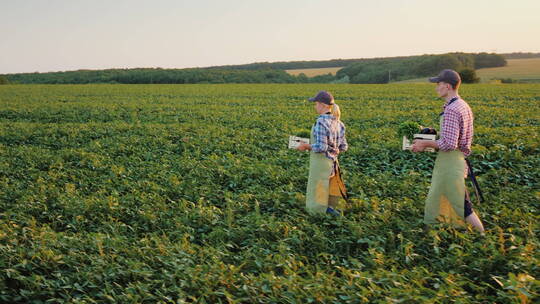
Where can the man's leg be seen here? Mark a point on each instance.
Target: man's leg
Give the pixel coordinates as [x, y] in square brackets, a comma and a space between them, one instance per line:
[470, 216]
[475, 221]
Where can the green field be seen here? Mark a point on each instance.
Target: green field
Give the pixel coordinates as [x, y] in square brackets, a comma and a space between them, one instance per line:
[314, 72]
[187, 193]
[524, 70]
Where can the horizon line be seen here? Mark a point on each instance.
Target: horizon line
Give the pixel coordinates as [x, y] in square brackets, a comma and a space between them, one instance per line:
[256, 62]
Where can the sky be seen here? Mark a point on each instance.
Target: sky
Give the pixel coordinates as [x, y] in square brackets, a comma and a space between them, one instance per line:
[63, 35]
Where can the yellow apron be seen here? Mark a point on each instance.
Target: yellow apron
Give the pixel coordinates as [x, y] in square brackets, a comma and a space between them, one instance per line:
[445, 200]
[322, 189]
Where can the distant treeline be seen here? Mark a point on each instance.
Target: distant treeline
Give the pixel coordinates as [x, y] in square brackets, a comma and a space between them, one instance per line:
[374, 70]
[292, 65]
[520, 55]
[478, 61]
[386, 70]
[164, 76]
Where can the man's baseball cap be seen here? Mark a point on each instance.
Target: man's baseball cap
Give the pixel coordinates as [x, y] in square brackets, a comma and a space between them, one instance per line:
[324, 97]
[448, 76]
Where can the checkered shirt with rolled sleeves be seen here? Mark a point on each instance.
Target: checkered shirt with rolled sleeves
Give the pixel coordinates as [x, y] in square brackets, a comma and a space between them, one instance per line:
[457, 127]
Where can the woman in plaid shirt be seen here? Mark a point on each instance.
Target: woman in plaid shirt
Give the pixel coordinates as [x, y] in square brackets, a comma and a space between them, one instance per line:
[325, 186]
[448, 199]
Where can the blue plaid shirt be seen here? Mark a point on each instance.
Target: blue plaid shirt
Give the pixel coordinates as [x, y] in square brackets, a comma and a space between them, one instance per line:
[329, 134]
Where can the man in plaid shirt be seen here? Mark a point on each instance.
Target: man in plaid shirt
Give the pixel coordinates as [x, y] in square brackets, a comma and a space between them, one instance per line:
[456, 131]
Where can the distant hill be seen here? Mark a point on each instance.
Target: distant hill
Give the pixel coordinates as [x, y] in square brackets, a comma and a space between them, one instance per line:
[367, 70]
[518, 70]
[387, 70]
[291, 65]
[526, 70]
[332, 63]
[314, 71]
[520, 55]
[154, 76]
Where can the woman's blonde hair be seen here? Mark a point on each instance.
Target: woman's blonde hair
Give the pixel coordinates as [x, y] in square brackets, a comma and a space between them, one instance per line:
[334, 110]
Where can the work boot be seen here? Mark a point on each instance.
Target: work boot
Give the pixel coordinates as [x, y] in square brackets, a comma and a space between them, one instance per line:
[332, 211]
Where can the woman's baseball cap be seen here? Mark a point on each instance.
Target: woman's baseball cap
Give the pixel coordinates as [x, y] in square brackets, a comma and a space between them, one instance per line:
[324, 97]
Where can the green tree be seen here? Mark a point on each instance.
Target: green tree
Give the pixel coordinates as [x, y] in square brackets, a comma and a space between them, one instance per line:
[485, 60]
[302, 78]
[4, 80]
[468, 76]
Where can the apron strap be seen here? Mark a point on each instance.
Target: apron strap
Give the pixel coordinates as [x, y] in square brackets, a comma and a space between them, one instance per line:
[477, 189]
[341, 184]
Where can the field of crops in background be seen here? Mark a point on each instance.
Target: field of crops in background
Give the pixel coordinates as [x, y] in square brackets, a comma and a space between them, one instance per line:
[188, 193]
[314, 72]
[524, 70]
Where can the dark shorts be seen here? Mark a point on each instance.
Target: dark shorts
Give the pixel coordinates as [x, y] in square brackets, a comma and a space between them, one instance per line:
[467, 205]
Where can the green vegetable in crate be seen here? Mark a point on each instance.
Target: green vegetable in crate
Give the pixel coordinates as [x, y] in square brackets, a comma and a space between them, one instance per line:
[408, 129]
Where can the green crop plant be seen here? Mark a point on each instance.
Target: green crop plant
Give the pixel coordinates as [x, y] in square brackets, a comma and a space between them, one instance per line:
[188, 193]
[408, 129]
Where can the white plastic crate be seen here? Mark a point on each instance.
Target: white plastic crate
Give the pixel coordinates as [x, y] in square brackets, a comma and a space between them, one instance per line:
[407, 144]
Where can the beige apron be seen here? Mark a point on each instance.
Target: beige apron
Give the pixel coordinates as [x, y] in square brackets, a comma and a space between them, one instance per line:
[322, 190]
[445, 200]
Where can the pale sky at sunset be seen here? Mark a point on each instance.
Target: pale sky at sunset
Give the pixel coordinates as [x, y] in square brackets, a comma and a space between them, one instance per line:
[60, 35]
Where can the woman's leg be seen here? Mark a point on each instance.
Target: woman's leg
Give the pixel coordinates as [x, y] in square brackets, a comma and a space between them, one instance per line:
[333, 201]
